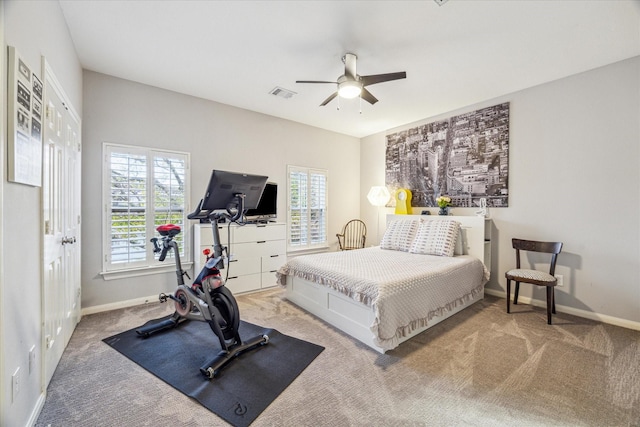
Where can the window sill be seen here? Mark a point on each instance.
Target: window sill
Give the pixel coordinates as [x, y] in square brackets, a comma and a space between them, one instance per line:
[142, 271]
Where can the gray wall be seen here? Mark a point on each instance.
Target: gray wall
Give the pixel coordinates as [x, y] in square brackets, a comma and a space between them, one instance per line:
[218, 137]
[35, 28]
[574, 167]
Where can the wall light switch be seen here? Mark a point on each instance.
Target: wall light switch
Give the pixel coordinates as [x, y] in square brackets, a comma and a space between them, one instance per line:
[15, 385]
[32, 359]
[560, 280]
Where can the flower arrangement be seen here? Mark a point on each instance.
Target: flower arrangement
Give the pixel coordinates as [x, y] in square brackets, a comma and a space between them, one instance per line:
[443, 201]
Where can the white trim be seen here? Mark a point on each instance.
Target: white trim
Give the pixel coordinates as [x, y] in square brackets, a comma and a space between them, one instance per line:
[33, 417]
[3, 133]
[55, 83]
[599, 317]
[120, 304]
[142, 271]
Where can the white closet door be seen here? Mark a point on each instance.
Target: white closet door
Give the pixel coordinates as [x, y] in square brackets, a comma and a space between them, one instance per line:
[61, 225]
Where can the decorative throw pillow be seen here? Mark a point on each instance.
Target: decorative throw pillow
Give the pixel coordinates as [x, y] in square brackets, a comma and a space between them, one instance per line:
[399, 235]
[461, 242]
[436, 237]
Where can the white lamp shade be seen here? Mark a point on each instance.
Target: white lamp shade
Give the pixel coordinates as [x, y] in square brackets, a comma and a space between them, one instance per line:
[378, 196]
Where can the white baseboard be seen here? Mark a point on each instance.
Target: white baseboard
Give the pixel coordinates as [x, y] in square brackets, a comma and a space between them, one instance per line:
[119, 304]
[604, 318]
[36, 410]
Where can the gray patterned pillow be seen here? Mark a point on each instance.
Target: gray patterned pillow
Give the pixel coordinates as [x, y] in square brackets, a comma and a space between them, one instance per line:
[399, 235]
[436, 237]
[461, 242]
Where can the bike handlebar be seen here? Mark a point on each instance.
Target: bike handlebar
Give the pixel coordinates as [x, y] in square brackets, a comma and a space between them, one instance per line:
[236, 203]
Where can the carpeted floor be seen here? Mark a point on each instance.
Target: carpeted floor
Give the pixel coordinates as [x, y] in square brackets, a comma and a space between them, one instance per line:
[482, 367]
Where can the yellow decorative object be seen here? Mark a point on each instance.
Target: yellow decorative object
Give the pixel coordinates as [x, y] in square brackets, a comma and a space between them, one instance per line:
[403, 202]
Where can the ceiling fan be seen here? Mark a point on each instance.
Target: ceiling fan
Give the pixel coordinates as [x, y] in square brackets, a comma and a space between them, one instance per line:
[351, 85]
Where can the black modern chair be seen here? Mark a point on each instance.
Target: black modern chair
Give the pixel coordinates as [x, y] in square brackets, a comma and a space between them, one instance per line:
[534, 277]
[353, 236]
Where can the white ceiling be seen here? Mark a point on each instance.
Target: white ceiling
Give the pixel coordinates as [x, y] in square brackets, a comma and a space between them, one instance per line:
[455, 55]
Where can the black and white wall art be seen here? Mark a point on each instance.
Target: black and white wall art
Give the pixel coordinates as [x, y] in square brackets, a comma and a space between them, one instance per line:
[465, 157]
[24, 122]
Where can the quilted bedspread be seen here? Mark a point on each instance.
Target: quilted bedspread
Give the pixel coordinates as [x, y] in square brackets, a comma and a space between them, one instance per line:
[404, 290]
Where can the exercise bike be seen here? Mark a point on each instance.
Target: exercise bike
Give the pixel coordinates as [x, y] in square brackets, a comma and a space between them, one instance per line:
[207, 299]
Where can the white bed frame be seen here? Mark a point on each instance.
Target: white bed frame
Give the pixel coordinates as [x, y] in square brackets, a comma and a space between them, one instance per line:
[354, 318]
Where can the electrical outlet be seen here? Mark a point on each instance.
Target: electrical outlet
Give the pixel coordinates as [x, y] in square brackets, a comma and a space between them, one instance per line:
[32, 359]
[15, 385]
[560, 280]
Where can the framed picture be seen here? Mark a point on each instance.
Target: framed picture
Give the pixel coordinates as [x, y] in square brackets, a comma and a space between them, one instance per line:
[464, 157]
[24, 122]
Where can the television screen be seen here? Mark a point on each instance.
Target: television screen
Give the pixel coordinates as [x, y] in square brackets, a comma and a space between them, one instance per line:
[224, 185]
[268, 204]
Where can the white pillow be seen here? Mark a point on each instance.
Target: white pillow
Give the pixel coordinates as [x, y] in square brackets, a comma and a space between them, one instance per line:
[436, 237]
[461, 242]
[399, 235]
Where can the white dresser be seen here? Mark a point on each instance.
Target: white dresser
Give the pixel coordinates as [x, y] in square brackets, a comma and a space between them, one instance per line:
[256, 251]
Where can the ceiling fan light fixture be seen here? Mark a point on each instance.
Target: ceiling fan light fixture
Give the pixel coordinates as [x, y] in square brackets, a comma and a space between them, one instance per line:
[349, 89]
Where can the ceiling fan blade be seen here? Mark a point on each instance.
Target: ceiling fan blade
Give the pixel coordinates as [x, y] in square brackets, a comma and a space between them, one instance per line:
[329, 99]
[367, 96]
[313, 81]
[380, 78]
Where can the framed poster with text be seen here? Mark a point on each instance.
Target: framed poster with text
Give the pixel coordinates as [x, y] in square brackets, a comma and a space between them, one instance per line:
[25, 112]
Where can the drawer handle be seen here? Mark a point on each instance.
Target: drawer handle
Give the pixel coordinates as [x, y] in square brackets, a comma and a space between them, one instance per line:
[273, 271]
[262, 241]
[234, 260]
[261, 226]
[275, 256]
[233, 277]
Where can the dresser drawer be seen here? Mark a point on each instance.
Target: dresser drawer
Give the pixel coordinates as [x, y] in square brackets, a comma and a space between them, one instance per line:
[239, 284]
[273, 262]
[243, 266]
[255, 233]
[269, 280]
[258, 249]
[205, 234]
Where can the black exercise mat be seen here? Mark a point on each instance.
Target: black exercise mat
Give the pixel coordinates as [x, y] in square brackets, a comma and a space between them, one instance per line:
[243, 389]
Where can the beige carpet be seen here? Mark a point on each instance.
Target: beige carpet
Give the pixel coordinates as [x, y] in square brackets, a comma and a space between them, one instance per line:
[482, 367]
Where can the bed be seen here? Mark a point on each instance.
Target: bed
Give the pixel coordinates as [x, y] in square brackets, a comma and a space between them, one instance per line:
[425, 270]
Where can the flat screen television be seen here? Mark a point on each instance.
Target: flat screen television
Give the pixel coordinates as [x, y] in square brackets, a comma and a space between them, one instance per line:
[224, 185]
[268, 204]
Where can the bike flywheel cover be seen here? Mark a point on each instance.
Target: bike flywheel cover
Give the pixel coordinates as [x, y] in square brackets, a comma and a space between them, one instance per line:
[183, 303]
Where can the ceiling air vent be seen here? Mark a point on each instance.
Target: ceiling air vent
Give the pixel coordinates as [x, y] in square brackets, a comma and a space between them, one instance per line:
[282, 93]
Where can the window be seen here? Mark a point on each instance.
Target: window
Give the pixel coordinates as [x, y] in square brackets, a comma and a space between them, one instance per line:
[307, 208]
[143, 188]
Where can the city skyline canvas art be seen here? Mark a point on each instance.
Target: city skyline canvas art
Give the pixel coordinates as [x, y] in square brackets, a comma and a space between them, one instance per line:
[465, 157]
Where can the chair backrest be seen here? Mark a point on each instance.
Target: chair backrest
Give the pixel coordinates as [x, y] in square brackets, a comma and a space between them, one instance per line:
[354, 235]
[552, 248]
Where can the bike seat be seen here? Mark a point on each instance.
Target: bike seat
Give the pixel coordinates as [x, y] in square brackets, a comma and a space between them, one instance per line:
[170, 230]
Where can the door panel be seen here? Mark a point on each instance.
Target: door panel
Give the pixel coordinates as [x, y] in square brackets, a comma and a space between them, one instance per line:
[53, 283]
[61, 226]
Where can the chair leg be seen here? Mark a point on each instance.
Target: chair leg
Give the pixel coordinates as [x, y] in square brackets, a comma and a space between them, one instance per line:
[515, 294]
[508, 295]
[553, 294]
[549, 303]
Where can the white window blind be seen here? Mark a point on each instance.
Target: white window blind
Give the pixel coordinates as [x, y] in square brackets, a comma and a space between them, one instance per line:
[144, 188]
[307, 208]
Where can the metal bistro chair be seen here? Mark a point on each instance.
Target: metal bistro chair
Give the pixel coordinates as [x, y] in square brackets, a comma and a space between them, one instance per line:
[353, 236]
[535, 277]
